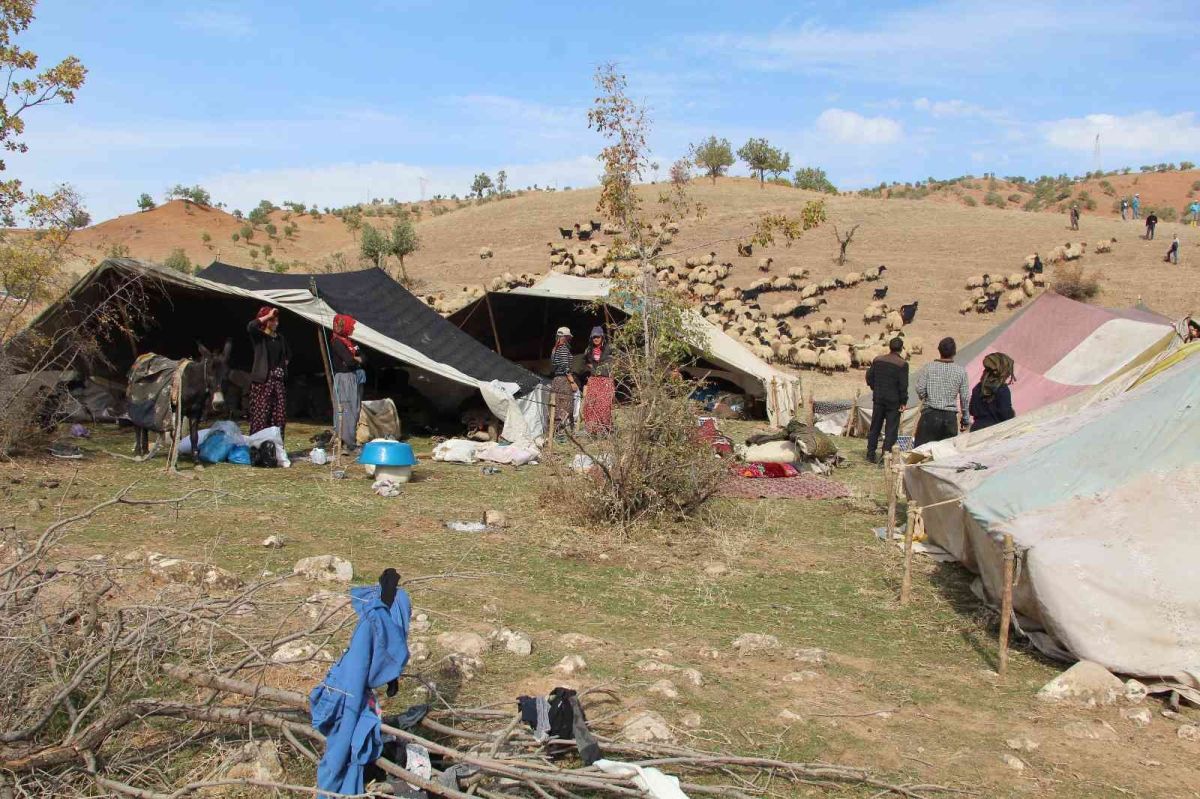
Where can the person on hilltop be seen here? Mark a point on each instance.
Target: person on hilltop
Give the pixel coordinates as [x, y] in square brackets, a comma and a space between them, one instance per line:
[1194, 210]
[1137, 206]
[944, 390]
[888, 378]
[1151, 223]
[1173, 251]
[268, 393]
[1124, 208]
[1074, 217]
[991, 399]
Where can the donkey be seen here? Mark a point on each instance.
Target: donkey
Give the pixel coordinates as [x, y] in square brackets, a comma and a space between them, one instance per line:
[200, 382]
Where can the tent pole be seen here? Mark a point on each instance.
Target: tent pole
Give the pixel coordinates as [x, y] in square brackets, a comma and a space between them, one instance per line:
[1006, 600]
[890, 473]
[906, 582]
[492, 316]
[325, 365]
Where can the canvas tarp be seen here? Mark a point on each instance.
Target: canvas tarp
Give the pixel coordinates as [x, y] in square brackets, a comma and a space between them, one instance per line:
[1060, 347]
[1100, 495]
[733, 361]
[479, 366]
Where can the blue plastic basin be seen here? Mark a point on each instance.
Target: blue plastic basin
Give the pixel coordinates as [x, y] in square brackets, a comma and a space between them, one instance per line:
[387, 453]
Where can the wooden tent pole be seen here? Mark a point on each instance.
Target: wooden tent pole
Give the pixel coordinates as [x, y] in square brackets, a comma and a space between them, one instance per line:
[906, 582]
[326, 366]
[1006, 600]
[492, 316]
[889, 472]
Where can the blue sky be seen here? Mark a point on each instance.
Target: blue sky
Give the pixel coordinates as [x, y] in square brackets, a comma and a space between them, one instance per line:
[337, 103]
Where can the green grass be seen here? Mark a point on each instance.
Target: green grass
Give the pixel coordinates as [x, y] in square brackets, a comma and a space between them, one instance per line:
[808, 572]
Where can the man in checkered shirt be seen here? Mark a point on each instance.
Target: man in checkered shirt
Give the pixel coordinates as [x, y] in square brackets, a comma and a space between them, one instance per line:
[943, 389]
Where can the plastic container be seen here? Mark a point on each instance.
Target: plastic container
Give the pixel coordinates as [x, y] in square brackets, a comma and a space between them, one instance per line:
[382, 452]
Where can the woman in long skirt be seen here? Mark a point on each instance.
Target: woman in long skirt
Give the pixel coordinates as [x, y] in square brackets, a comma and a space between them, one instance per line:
[599, 392]
[268, 394]
[563, 384]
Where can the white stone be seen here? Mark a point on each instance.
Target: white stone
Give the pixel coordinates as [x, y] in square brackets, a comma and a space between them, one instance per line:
[693, 676]
[716, 569]
[580, 641]
[1140, 716]
[749, 643]
[801, 676]
[466, 666]
[257, 761]
[325, 602]
[1090, 731]
[420, 624]
[789, 717]
[664, 688]
[1188, 732]
[1022, 744]
[654, 667]
[647, 727]
[273, 542]
[295, 652]
[1014, 763]
[517, 643]
[1087, 683]
[495, 518]
[1135, 691]
[327, 568]
[692, 721]
[418, 651]
[654, 654]
[463, 643]
[817, 657]
[571, 665]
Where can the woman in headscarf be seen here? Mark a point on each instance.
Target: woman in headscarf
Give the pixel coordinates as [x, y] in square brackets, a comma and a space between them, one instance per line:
[599, 390]
[991, 399]
[563, 384]
[347, 363]
[268, 394]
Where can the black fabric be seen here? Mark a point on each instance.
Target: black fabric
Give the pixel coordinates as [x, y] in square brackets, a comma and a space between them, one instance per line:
[567, 722]
[264, 455]
[343, 359]
[388, 581]
[888, 378]
[270, 352]
[408, 719]
[987, 412]
[935, 425]
[885, 417]
[378, 301]
[589, 747]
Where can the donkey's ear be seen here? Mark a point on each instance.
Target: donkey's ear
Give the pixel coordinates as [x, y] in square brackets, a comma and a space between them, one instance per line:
[204, 352]
[228, 348]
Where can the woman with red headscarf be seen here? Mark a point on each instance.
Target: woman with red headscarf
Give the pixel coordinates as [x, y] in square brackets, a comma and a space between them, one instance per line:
[268, 395]
[347, 365]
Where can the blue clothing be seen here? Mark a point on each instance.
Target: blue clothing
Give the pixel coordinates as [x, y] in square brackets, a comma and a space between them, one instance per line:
[985, 412]
[343, 706]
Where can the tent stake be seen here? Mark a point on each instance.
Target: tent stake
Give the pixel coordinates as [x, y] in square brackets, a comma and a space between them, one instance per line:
[889, 472]
[1006, 600]
[906, 582]
[492, 316]
[553, 404]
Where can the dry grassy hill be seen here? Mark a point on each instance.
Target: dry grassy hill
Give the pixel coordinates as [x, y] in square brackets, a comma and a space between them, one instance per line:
[930, 247]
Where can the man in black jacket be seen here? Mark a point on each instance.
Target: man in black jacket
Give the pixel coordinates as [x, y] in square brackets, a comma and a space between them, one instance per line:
[888, 379]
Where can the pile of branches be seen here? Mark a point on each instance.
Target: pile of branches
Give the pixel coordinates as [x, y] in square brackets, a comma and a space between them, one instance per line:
[117, 687]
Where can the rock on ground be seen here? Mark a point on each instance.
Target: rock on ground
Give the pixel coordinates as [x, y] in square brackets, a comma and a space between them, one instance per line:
[693, 676]
[801, 676]
[1189, 732]
[654, 667]
[295, 652]
[664, 688]
[1086, 683]
[580, 641]
[463, 643]
[418, 651]
[789, 717]
[647, 727]
[571, 665]
[716, 569]
[1090, 731]
[327, 568]
[273, 542]
[324, 602]
[420, 623]
[817, 657]
[1140, 716]
[177, 570]
[1014, 763]
[515, 642]
[693, 721]
[495, 518]
[749, 643]
[1135, 691]
[257, 761]
[654, 654]
[1022, 744]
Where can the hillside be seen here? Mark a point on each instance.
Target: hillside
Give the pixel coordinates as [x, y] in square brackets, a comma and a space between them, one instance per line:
[929, 246]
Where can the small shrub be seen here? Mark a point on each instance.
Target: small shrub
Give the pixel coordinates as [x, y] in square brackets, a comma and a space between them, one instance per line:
[1032, 204]
[1196, 185]
[247, 232]
[1072, 281]
[970, 201]
[1089, 204]
[1015, 198]
[994, 199]
[1107, 188]
[271, 229]
[178, 261]
[267, 250]
[236, 237]
[254, 255]
[278, 266]
[289, 231]
[205, 237]
[1186, 165]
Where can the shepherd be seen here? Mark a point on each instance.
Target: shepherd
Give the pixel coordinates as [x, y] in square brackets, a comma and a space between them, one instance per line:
[991, 399]
[599, 391]
[347, 366]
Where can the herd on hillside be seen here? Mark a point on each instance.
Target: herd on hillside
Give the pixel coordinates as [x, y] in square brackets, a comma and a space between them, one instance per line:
[790, 332]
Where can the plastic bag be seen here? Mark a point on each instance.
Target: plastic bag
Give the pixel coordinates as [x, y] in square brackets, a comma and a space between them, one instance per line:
[240, 455]
[264, 455]
[318, 457]
[215, 448]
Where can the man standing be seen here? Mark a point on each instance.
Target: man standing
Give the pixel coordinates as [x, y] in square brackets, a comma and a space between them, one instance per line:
[1074, 217]
[1124, 208]
[1137, 206]
[1194, 208]
[1151, 222]
[888, 379]
[943, 390]
[1173, 252]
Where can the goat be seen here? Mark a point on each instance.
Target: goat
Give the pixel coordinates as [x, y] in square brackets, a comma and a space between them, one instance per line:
[879, 293]
[566, 232]
[595, 226]
[745, 250]
[909, 312]
[991, 303]
[764, 264]
[584, 235]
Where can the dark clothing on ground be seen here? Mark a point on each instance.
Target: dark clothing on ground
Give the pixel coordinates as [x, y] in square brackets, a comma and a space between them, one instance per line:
[936, 425]
[885, 417]
[343, 359]
[271, 353]
[986, 412]
[888, 378]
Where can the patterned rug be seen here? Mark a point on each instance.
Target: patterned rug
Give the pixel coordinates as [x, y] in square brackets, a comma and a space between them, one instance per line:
[803, 486]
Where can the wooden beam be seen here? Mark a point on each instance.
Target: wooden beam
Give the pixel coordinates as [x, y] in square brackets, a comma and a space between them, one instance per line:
[1006, 600]
[492, 317]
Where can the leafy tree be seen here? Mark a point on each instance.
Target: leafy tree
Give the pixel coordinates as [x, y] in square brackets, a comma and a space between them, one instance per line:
[762, 158]
[374, 245]
[267, 250]
[78, 218]
[194, 194]
[404, 241]
[178, 261]
[236, 237]
[261, 213]
[502, 182]
[714, 156]
[289, 230]
[205, 237]
[813, 178]
[238, 215]
[780, 164]
[1186, 165]
[247, 232]
[481, 184]
[145, 202]
[271, 229]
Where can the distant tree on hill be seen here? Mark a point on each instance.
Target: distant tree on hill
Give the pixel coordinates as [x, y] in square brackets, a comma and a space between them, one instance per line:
[146, 202]
[374, 245]
[195, 194]
[1186, 165]
[502, 182]
[261, 213]
[178, 261]
[78, 218]
[813, 178]
[247, 232]
[205, 237]
[481, 184]
[404, 241]
[271, 229]
[714, 156]
[761, 157]
[780, 164]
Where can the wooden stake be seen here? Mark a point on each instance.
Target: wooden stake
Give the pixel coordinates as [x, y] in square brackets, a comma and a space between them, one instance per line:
[492, 316]
[337, 413]
[553, 414]
[889, 474]
[1006, 600]
[906, 582]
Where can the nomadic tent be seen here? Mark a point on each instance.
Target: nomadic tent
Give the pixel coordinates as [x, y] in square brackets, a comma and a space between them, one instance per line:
[440, 362]
[1100, 492]
[520, 324]
[1061, 347]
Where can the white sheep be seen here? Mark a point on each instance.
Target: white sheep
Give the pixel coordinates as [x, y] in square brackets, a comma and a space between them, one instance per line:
[1014, 299]
[781, 283]
[852, 278]
[1028, 287]
[874, 312]
[485, 253]
[785, 310]
[893, 321]
[1039, 280]
[764, 264]
[811, 290]
[977, 281]
[836, 325]
[834, 359]
[829, 284]
[1014, 280]
[708, 260]
[807, 357]
[995, 288]
[967, 307]
[873, 273]
[797, 273]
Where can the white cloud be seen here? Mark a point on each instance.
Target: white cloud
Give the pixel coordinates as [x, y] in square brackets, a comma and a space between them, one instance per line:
[957, 109]
[218, 22]
[852, 128]
[1148, 133]
[345, 183]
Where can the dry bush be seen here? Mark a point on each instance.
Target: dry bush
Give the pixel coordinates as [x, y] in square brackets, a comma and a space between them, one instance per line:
[1073, 281]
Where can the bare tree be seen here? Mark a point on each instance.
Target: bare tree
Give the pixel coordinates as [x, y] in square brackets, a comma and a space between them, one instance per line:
[843, 242]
